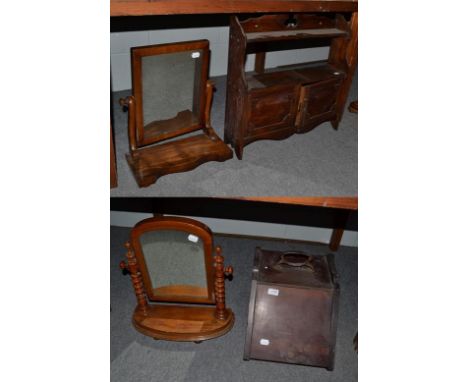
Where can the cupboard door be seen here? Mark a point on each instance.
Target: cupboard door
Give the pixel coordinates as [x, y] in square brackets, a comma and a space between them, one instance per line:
[272, 109]
[317, 104]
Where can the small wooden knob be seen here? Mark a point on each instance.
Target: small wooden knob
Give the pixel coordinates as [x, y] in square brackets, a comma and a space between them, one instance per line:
[228, 270]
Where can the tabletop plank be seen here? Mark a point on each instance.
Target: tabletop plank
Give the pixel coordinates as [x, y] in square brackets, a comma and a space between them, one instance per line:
[173, 7]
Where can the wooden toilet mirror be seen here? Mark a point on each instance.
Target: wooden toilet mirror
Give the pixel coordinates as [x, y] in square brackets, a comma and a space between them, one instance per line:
[178, 281]
[171, 98]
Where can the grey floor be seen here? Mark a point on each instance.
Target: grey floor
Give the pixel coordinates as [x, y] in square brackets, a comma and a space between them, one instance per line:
[135, 357]
[322, 162]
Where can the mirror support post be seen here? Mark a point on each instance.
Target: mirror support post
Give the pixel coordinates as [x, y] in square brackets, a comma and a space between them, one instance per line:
[129, 103]
[220, 274]
[209, 101]
[136, 279]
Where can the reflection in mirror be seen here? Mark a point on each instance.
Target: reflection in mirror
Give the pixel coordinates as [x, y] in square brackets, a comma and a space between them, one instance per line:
[171, 85]
[175, 258]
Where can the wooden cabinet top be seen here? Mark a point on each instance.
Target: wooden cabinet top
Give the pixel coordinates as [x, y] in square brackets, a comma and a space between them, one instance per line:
[172, 7]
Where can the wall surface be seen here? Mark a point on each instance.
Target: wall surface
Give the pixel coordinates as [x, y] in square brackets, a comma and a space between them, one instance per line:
[248, 228]
[121, 42]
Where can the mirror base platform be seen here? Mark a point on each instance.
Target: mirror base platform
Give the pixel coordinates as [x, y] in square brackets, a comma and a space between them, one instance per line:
[181, 323]
[150, 163]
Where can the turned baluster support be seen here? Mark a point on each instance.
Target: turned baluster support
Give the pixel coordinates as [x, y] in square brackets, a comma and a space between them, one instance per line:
[221, 273]
[137, 281]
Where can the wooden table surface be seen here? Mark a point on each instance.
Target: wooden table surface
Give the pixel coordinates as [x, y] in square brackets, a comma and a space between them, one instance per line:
[348, 203]
[174, 7]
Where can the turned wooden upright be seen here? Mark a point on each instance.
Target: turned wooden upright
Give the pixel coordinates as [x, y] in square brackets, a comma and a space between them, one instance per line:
[199, 317]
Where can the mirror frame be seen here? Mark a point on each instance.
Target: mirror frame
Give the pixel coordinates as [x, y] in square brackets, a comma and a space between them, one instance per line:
[137, 53]
[179, 224]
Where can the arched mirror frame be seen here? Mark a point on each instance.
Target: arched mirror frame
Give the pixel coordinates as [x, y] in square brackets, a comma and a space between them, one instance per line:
[190, 227]
[137, 87]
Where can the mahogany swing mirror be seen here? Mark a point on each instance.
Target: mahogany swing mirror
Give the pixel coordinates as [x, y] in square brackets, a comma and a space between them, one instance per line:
[172, 260]
[169, 125]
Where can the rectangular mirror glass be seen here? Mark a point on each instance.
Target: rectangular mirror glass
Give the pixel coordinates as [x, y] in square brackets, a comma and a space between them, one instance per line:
[171, 87]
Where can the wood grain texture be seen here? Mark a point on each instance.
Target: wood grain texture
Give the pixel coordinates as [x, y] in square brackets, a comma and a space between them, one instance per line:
[144, 136]
[150, 159]
[182, 323]
[350, 203]
[287, 100]
[172, 7]
[184, 122]
[150, 163]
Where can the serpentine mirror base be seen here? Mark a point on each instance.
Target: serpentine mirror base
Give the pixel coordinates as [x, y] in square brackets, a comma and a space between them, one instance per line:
[150, 163]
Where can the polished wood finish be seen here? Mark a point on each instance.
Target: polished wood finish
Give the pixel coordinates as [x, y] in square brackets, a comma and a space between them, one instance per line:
[150, 159]
[150, 163]
[221, 274]
[182, 323]
[190, 226]
[350, 203]
[135, 274]
[179, 322]
[276, 103]
[170, 7]
[138, 53]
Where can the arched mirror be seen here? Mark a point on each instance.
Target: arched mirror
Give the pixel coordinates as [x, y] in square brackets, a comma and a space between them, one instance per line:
[171, 99]
[172, 259]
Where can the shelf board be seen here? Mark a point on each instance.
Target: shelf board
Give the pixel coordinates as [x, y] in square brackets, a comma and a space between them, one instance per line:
[291, 75]
[297, 34]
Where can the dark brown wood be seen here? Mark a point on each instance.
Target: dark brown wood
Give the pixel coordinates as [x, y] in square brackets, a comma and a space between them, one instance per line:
[353, 107]
[150, 159]
[335, 239]
[113, 165]
[275, 104]
[293, 309]
[349, 63]
[260, 62]
[178, 322]
[169, 7]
